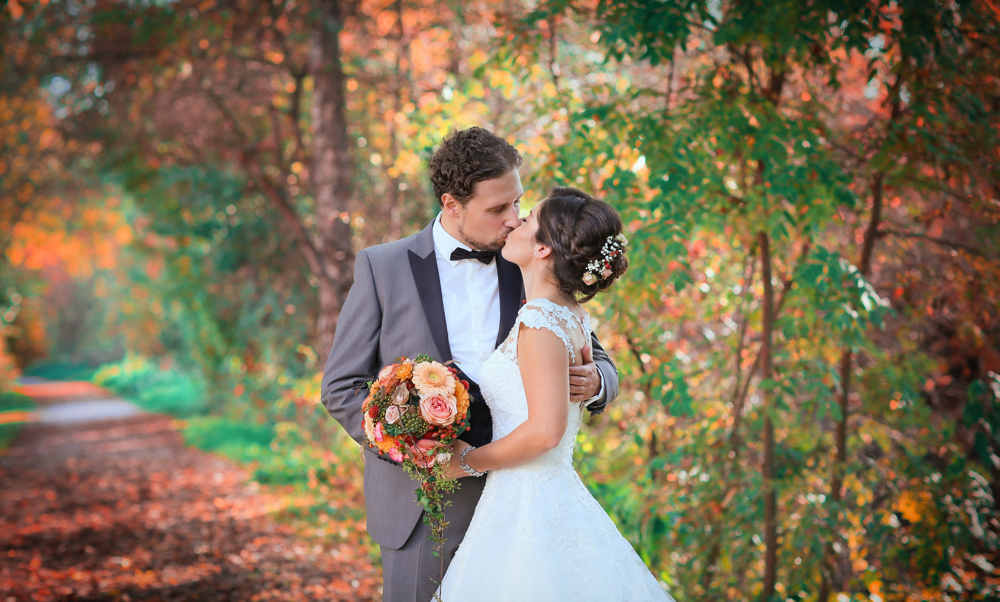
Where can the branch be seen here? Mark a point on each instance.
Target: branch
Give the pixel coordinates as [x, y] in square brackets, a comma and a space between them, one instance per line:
[952, 244]
[294, 116]
[318, 263]
[786, 285]
[228, 116]
[737, 400]
[315, 259]
[276, 139]
[553, 49]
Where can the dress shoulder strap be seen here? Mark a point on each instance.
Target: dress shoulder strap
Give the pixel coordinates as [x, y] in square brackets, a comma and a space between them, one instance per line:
[542, 313]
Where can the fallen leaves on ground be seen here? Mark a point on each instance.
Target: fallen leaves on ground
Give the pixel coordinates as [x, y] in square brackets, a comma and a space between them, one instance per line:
[120, 510]
[48, 391]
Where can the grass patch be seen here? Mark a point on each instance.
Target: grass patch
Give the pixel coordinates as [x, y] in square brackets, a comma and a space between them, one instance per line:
[237, 441]
[154, 389]
[61, 371]
[278, 455]
[12, 402]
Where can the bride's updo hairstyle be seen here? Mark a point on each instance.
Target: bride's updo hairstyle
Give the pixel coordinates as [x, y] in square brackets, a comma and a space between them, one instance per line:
[585, 235]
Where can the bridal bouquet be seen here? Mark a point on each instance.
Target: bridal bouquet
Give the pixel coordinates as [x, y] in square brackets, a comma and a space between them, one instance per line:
[414, 410]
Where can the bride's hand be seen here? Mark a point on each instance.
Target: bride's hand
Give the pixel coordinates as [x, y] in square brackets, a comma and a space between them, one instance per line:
[454, 468]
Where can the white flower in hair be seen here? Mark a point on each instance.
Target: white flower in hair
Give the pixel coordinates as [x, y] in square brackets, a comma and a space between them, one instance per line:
[601, 268]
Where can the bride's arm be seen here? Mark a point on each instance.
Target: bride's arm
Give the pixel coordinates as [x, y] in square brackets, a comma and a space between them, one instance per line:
[544, 366]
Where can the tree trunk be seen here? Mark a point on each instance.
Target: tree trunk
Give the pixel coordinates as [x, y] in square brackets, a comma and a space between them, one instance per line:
[840, 573]
[331, 169]
[839, 568]
[770, 496]
[773, 95]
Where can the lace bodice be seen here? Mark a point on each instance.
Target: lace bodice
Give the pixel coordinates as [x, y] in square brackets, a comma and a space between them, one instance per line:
[500, 376]
[542, 313]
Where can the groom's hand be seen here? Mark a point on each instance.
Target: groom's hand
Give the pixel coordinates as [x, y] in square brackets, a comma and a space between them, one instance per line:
[585, 379]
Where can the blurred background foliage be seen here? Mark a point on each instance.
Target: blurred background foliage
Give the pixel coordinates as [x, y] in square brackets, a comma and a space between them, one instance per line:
[808, 335]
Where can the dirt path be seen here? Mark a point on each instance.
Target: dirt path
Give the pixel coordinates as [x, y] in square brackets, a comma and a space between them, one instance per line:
[121, 510]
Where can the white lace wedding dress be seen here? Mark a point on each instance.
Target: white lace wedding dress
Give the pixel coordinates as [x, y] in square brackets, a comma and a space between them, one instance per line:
[537, 533]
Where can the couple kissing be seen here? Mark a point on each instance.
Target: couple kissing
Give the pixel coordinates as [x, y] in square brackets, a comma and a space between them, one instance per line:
[501, 297]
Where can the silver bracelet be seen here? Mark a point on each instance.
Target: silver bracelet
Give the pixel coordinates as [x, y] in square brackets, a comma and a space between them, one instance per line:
[472, 472]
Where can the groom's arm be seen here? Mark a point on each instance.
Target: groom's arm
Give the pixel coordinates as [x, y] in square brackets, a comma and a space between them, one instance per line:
[609, 378]
[353, 359]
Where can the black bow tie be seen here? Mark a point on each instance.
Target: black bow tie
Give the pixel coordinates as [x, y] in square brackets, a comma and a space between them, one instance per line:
[483, 256]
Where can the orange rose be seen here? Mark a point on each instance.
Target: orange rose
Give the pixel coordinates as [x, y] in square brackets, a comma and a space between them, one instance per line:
[389, 384]
[387, 371]
[387, 378]
[461, 399]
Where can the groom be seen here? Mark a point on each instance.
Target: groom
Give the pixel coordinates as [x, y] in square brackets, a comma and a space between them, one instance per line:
[445, 292]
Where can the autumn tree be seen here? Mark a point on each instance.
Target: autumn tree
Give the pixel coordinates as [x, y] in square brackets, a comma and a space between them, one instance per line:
[221, 83]
[772, 134]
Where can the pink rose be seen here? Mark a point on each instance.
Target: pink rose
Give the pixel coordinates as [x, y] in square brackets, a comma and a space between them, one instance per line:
[438, 409]
[378, 432]
[392, 414]
[424, 452]
[395, 454]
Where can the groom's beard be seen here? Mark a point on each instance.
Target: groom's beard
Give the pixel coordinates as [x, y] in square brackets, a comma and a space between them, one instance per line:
[493, 247]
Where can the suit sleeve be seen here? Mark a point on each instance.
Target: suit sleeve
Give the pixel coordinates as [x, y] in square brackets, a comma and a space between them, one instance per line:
[610, 374]
[353, 360]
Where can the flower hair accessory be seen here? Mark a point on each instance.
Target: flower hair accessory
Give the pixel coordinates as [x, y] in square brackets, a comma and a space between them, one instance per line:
[599, 269]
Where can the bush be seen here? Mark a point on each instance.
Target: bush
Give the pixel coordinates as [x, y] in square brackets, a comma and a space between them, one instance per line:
[154, 389]
[12, 402]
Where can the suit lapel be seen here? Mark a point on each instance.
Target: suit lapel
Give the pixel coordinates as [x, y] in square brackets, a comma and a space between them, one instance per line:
[423, 264]
[511, 294]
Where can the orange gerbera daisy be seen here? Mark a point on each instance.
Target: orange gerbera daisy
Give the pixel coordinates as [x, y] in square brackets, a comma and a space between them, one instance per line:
[433, 377]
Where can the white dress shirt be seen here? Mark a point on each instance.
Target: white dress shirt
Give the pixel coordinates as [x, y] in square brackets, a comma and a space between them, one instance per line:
[470, 290]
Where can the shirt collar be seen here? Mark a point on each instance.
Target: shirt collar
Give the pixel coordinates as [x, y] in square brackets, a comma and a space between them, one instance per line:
[445, 243]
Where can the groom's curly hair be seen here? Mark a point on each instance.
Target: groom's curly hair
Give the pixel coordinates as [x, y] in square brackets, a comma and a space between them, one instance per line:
[467, 157]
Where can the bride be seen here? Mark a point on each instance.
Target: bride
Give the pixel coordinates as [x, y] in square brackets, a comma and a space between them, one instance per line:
[537, 533]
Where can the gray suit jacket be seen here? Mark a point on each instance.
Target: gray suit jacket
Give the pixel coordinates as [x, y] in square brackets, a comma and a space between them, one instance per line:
[395, 309]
